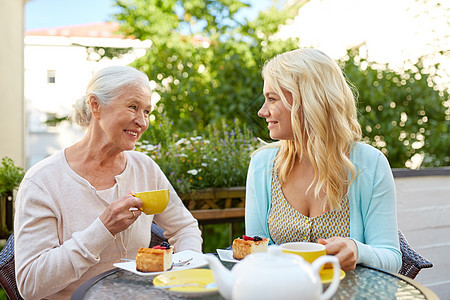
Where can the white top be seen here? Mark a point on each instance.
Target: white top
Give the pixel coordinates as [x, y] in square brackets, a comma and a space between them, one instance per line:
[60, 241]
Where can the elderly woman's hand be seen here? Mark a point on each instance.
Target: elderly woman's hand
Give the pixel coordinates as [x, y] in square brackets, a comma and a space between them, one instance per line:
[344, 249]
[118, 216]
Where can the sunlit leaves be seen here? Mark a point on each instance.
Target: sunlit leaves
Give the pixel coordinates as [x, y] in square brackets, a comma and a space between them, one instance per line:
[206, 65]
[401, 112]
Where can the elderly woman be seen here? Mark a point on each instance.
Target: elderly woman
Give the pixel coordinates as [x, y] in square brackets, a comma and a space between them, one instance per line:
[74, 213]
[319, 183]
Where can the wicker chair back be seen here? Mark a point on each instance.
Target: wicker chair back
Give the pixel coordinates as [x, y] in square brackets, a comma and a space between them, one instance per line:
[7, 271]
[412, 262]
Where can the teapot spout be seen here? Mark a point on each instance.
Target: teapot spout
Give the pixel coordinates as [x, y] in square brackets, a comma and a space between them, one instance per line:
[223, 277]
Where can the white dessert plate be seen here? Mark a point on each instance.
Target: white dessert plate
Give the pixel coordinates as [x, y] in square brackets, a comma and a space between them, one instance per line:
[226, 255]
[197, 261]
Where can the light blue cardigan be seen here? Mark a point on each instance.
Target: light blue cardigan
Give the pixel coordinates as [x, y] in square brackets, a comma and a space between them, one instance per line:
[372, 200]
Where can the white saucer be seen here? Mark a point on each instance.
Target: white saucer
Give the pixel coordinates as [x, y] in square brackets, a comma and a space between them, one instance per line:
[197, 261]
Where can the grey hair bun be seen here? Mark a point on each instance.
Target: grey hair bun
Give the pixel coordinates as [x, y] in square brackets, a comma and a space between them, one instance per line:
[81, 113]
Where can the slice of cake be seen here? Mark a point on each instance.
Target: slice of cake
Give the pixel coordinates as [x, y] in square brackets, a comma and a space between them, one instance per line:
[246, 245]
[156, 259]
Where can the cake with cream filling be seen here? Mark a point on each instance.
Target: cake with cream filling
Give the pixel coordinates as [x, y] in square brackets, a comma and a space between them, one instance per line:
[246, 245]
[156, 259]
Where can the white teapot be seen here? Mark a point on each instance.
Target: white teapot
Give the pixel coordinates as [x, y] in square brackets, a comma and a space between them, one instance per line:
[274, 275]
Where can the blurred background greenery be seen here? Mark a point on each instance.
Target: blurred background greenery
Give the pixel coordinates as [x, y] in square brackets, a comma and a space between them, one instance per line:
[205, 65]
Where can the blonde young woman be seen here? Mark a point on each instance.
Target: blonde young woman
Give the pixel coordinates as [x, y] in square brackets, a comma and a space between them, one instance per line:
[319, 183]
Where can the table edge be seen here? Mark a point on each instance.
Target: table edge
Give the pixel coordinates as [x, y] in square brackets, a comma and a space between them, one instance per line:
[427, 292]
[83, 288]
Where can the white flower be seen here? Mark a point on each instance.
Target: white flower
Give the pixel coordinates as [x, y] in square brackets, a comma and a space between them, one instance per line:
[204, 165]
[196, 138]
[182, 141]
[149, 147]
[193, 172]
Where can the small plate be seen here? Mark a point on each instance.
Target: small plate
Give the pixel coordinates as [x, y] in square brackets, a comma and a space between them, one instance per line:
[199, 276]
[197, 261]
[326, 275]
[226, 255]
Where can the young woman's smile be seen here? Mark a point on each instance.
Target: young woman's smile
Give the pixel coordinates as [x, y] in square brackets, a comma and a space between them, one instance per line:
[277, 116]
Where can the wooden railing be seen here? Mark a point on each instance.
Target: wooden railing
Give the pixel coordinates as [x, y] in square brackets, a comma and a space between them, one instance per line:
[216, 205]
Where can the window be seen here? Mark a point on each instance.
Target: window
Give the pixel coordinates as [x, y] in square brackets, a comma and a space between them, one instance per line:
[51, 76]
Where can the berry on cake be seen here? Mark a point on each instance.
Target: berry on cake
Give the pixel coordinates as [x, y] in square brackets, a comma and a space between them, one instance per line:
[246, 245]
[156, 259]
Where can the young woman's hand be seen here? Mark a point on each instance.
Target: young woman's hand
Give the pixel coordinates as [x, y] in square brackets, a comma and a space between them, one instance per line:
[118, 216]
[344, 249]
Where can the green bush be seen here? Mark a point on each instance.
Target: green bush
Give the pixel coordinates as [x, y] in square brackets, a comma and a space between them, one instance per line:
[10, 176]
[216, 157]
[205, 62]
[402, 113]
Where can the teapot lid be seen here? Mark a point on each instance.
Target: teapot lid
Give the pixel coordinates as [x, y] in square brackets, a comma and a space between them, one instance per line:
[274, 258]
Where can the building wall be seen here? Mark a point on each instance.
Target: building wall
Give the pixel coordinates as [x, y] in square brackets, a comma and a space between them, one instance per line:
[72, 67]
[11, 80]
[423, 217]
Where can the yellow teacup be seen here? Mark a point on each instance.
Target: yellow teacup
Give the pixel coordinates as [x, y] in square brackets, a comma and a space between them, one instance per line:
[153, 202]
[309, 251]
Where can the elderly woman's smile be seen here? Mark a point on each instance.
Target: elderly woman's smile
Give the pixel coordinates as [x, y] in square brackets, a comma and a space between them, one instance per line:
[131, 132]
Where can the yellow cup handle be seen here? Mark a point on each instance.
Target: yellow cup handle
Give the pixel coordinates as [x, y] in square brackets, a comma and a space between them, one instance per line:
[134, 195]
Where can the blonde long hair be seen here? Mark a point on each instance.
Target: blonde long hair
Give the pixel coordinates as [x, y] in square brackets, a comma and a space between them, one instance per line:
[323, 116]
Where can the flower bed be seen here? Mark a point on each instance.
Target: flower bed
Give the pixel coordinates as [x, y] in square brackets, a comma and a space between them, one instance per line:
[216, 158]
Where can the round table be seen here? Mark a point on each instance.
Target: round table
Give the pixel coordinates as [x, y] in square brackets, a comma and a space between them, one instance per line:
[362, 283]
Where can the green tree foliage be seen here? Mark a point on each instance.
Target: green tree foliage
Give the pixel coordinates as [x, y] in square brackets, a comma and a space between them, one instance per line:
[205, 60]
[402, 113]
[206, 63]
